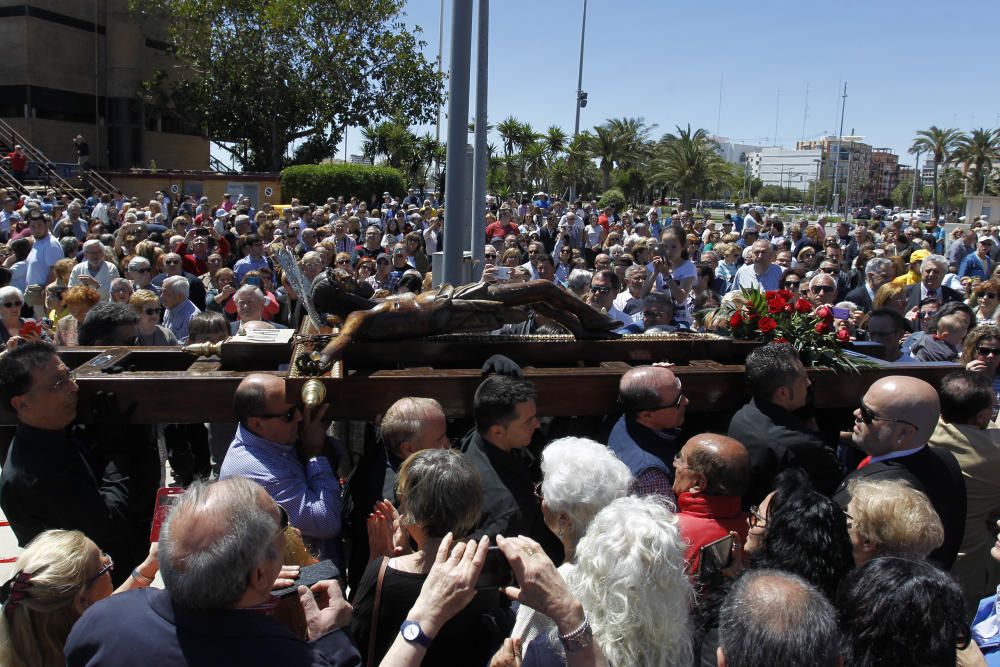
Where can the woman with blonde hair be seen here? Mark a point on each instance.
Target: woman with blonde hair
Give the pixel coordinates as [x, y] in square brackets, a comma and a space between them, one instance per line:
[61, 270]
[147, 304]
[57, 577]
[79, 300]
[890, 296]
[890, 518]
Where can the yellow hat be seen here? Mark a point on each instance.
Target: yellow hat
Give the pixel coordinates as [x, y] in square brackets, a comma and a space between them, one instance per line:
[919, 255]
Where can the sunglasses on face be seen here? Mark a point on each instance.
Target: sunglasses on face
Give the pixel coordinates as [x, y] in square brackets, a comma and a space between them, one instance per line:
[287, 416]
[599, 289]
[152, 311]
[821, 289]
[828, 271]
[868, 416]
[13, 304]
[171, 262]
[985, 351]
[792, 283]
[989, 295]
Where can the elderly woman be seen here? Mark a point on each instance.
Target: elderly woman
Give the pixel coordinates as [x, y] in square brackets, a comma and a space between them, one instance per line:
[440, 493]
[222, 290]
[630, 576]
[55, 579]
[579, 478]
[79, 300]
[986, 301]
[890, 518]
[797, 529]
[11, 302]
[151, 332]
[121, 290]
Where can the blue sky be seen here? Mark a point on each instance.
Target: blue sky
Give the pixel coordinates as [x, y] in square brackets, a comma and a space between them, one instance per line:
[908, 65]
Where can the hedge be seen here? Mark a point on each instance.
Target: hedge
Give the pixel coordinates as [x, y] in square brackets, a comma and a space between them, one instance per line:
[612, 197]
[313, 183]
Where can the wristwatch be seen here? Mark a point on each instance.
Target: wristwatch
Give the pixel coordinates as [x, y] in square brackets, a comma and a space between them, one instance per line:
[412, 633]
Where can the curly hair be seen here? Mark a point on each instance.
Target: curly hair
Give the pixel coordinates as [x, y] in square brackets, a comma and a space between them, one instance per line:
[806, 534]
[631, 578]
[898, 611]
[579, 477]
[975, 337]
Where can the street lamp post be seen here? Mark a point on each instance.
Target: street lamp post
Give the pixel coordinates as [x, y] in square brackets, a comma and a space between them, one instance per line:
[581, 97]
[916, 182]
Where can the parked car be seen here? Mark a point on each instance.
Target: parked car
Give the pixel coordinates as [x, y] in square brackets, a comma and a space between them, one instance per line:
[792, 209]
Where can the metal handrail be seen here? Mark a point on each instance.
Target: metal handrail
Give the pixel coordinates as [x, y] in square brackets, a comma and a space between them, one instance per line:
[8, 181]
[45, 165]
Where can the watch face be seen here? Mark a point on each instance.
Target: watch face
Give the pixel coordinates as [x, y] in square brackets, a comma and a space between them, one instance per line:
[410, 632]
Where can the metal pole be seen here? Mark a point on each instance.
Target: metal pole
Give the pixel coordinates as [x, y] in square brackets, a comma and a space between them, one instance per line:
[458, 120]
[816, 184]
[836, 163]
[579, 92]
[916, 182]
[481, 155]
[437, 132]
[847, 192]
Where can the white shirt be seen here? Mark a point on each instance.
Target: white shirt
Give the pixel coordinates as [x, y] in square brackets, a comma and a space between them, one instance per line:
[107, 273]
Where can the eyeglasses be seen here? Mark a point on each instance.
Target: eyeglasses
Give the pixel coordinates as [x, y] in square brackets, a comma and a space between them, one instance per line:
[152, 311]
[599, 289]
[146, 270]
[62, 383]
[988, 351]
[755, 518]
[282, 520]
[341, 261]
[989, 295]
[680, 463]
[867, 416]
[13, 304]
[109, 565]
[828, 270]
[287, 416]
[792, 283]
[171, 262]
[670, 406]
[820, 289]
[538, 492]
[384, 262]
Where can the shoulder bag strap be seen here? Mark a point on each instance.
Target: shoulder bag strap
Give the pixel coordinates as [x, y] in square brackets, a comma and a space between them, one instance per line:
[375, 612]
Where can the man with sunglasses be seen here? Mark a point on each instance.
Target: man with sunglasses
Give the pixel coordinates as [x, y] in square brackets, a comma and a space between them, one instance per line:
[823, 289]
[56, 475]
[645, 437]
[776, 427]
[893, 424]
[285, 450]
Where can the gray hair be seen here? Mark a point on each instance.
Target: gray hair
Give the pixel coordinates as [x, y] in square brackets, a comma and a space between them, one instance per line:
[938, 260]
[580, 477]
[776, 618]
[404, 420]
[10, 290]
[92, 243]
[210, 571]
[578, 279]
[877, 265]
[138, 263]
[249, 290]
[177, 285]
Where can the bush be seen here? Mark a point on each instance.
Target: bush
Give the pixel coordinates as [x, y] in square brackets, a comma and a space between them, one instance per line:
[313, 183]
[613, 197]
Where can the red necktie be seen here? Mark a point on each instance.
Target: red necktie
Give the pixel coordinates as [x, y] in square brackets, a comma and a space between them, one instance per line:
[865, 461]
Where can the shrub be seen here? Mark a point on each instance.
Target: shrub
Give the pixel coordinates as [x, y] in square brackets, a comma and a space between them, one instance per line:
[613, 196]
[315, 182]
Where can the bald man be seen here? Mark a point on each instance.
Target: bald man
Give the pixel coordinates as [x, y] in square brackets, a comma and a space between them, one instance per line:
[711, 472]
[286, 452]
[645, 436]
[897, 416]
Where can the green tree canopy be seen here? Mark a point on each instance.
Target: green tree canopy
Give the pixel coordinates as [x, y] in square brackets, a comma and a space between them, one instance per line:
[266, 73]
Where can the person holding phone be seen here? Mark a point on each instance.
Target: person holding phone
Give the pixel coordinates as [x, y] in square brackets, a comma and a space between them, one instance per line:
[440, 493]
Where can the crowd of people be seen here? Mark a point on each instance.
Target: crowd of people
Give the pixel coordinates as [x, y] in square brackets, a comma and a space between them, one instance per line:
[773, 540]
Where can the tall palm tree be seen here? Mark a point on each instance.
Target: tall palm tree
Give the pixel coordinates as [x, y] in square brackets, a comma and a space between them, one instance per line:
[509, 130]
[535, 164]
[526, 136]
[555, 140]
[605, 144]
[939, 143]
[979, 150]
[635, 141]
[689, 163]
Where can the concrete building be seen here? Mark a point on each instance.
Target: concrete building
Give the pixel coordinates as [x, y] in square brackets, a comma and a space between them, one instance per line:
[793, 169]
[74, 67]
[734, 153]
[884, 173]
[854, 169]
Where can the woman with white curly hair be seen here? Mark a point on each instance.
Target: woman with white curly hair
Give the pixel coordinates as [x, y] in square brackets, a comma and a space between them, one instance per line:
[630, 577]
[579, 478]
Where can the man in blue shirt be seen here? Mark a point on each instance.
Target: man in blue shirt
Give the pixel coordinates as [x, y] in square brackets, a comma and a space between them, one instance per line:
[272, 440]
[254, 261]
[978, 264]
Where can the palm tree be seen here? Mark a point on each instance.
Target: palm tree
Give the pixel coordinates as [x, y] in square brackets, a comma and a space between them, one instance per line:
[526, 136]
[535, 164]
[605, 144]
[509, 130]
[635, 141]
[555, 140]
[939, 143]
[688, 162]
[979, 150]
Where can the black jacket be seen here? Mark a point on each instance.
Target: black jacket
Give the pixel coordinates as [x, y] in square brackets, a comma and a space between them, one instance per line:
[775, 440]
[509, 504]
[859, 297]
[53, 479]
[913, 295]
[935, 472]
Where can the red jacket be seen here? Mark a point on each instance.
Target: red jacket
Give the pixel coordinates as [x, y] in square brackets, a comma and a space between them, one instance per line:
[704, 519]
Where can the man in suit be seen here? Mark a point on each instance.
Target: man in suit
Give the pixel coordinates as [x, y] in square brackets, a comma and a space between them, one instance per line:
[897, 416]
[932, 272]
[878, 271]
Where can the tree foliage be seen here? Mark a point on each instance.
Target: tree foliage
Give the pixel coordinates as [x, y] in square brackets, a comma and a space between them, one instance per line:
[939, 144]
[688, 163]
[316, 182]
[264, 73]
